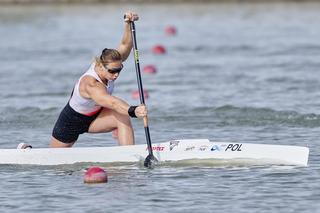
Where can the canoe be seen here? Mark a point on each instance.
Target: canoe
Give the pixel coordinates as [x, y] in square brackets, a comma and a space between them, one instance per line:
[171, 151]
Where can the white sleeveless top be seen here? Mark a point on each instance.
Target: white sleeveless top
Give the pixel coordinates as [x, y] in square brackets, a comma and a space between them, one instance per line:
[87, 106]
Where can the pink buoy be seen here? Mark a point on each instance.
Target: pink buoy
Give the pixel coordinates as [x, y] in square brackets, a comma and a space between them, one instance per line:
[158, 49]
[171, 30]
[95, 175]
[150, 69]
[136, 95]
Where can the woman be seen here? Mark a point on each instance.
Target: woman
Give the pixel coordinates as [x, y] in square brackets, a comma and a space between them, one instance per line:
[92, 108]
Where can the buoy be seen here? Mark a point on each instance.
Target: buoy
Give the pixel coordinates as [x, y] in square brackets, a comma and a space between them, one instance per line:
[171, 30]
[158, 49]
[150, 69]
[115, 133]
[95, 175]
[136, 95]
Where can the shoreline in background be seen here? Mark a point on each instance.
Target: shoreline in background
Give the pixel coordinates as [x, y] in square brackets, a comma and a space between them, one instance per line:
[21, 2]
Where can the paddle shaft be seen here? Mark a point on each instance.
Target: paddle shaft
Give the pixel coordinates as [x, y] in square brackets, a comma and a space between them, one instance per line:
[137, 65]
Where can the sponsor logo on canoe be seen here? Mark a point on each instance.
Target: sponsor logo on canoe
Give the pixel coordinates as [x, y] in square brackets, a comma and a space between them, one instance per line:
[157, 148]
[173, 144]
[234, 147]
[203, 148]
[216, 148]
[190, 148]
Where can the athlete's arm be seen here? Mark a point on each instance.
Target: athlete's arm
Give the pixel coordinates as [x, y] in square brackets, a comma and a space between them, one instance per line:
[97, 92]
[126, 41]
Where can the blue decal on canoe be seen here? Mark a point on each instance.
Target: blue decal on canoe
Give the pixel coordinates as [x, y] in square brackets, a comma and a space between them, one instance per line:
[215, 148]
[173, 144]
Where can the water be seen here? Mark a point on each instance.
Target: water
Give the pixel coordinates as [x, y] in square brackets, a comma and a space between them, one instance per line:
[235, 72]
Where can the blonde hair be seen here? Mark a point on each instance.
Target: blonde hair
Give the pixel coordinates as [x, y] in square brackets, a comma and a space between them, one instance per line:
[108, 56]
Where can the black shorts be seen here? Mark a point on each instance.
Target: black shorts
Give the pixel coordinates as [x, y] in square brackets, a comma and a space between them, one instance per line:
[71, 124]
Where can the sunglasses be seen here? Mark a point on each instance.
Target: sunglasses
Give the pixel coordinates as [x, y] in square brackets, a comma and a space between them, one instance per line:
[114, 70]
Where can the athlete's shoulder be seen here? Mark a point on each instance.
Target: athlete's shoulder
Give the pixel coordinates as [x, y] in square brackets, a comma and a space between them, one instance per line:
[89, 84]
[88, 80]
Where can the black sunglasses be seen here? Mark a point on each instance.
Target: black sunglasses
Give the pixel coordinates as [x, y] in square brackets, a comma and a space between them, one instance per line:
[114, 70]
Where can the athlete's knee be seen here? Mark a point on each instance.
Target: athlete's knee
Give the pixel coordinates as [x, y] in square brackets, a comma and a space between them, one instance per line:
[126, 119]
[122, 118]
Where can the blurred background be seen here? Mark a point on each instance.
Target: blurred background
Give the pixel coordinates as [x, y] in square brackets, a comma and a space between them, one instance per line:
[225, 71]
[243, 71]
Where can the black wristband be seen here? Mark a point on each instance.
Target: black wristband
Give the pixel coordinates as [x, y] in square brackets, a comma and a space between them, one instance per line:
[131, 111]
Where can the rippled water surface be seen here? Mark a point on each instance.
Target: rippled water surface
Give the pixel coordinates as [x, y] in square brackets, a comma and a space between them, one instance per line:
[234, 72]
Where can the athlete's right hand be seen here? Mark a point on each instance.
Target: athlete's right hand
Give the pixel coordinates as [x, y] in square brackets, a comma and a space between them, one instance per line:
[141, 111]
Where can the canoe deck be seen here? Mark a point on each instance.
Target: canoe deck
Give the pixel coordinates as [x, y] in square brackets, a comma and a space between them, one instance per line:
[175, 150]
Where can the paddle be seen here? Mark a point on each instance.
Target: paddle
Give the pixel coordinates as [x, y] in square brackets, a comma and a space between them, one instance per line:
[150, 159]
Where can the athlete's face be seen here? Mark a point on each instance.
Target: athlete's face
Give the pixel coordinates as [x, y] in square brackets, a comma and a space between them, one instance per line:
[113, 69]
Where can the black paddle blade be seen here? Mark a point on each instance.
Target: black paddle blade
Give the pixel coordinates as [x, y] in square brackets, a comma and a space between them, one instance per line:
[150, 161]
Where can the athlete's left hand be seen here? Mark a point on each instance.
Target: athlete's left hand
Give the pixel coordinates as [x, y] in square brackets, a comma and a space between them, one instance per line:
[141, 111]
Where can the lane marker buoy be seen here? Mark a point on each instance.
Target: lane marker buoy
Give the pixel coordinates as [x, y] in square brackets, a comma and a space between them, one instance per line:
[159, 49]
[171, 30]
[136, 95]
[150, 69]
[95, 175]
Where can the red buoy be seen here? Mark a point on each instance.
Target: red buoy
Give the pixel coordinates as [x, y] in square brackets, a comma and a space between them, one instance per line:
[150, 69]
[158, 49]
[95, 175]
[136, 95]
[171, 30]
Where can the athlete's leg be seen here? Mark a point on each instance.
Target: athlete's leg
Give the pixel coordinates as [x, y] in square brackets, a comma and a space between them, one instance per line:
[109, 120]
[55, 143]
[67, 128]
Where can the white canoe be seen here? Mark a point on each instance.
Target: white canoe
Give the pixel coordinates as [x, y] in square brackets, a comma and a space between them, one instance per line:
[174, 150]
